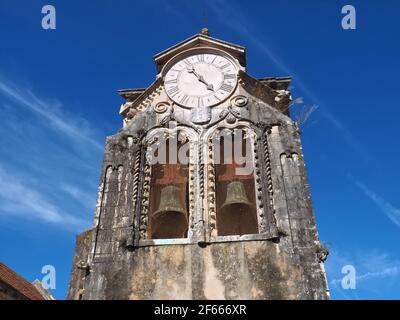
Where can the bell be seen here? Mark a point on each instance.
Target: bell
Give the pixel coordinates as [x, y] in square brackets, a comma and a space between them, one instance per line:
[237, 215]
[170, 219]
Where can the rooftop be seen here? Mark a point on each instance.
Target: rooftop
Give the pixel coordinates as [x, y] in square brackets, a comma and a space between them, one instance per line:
[21, 285]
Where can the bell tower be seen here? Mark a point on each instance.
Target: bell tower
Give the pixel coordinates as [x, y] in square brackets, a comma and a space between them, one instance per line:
[203, 192]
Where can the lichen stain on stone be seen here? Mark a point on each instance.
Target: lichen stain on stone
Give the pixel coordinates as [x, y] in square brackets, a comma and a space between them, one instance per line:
[173, 256]
[144, 275]
[213, 287]
[172, 290]
[253, 250]
[160, 273]
[137, 289]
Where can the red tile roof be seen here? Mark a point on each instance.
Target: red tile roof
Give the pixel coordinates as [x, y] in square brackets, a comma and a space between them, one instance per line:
[18, 283]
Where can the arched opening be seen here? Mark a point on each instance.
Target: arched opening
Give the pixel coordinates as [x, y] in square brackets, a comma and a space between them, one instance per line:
[168, 206]
[234, 184]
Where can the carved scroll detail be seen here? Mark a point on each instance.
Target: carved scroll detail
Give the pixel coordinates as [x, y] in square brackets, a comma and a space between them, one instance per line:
[258, 184]
[191, 187]
[201, 174]
[211, 200]
[135, 186]
[267, 160]
[149, 99]
[145, 202]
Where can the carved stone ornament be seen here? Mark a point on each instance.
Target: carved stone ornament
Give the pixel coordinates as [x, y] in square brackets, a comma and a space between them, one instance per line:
[239, 101]
[146, 102]
[201, 115]
[162, 107]
[231, 119]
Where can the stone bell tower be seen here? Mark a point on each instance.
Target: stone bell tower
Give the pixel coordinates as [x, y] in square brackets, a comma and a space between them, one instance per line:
[203, 192]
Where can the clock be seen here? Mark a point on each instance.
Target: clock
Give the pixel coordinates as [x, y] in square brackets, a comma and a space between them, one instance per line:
[201, 79]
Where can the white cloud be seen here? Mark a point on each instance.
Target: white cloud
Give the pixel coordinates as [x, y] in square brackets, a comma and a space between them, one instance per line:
[298, 100]
[240, 24]
[17, 197]
[383, 273]
[374, 269]
[387, 208]
[371, 265]
[85, 198]
[48, 153]
[74, 127]
[387, 272]
[304, 113]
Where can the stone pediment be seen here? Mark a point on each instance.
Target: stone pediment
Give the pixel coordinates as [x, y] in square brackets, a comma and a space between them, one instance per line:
[200, 40]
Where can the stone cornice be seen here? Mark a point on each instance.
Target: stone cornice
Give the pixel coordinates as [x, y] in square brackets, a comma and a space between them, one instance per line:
[143, 97]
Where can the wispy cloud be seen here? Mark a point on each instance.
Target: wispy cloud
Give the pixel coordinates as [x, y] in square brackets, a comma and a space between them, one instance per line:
[373, 270]
[242, 25]
[304, 113]
[48, 158]
[78, 194]
[17, 197]
[298, 100]
[384, 273]
[386, 207]
[387, 272]
[76, 128]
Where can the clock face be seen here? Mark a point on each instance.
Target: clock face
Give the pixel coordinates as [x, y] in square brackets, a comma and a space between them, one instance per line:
[201, 80]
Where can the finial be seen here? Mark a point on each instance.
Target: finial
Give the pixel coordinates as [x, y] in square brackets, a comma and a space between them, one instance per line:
[204, 29]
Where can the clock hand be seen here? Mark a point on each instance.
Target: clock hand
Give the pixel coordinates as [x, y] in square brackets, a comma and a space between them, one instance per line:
[191, 69]
[209, 86]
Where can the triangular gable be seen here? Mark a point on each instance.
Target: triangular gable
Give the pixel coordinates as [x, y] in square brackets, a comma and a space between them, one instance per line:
[200, 40]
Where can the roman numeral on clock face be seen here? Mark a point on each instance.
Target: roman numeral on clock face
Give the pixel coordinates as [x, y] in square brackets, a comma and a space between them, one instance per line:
[184, 99]
[172, 81]
[200, 79]
[200, 102]
[226, 87]
[186, 62]
[229, 76]
[173, 90]
[225, 66]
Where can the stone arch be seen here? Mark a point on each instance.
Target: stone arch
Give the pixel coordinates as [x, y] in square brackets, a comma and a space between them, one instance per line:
[169, 189]
[232, 200]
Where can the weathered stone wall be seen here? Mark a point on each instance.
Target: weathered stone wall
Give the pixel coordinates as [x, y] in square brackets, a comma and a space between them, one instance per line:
[80, 265]
[234, 270]
[286, 264]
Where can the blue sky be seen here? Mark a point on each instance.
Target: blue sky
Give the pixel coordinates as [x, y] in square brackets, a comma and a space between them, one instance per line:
[58, 102]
